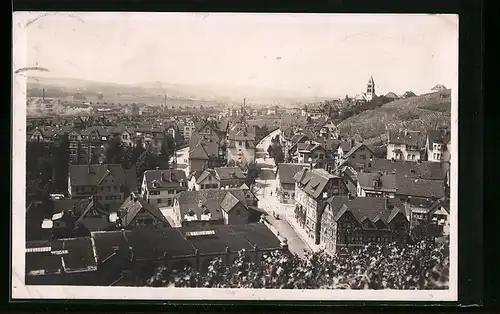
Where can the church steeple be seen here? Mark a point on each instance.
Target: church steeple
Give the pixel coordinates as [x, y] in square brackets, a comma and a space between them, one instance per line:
[370, 88]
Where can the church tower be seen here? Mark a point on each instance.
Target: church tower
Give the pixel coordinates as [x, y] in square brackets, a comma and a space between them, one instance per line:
[370, 89]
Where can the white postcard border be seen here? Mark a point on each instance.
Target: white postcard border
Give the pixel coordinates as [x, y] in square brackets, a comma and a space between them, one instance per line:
[21, 291]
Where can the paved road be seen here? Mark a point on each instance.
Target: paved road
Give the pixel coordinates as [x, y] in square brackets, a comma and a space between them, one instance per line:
[182, 159]
[266, 192]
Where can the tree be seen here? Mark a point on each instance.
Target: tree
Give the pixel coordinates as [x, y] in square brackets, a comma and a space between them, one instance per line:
[423, 265]
[167, 148]
[252, 174]
[113, 150]
[148, 160]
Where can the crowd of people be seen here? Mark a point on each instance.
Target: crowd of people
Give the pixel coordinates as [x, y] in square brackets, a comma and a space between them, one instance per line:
[423, 265]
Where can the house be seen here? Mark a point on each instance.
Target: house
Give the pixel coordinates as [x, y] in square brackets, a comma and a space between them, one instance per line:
[436, 145]
[404, 145]
[438, 88]
[429, 218]
[205, 181]
[312, 153]
[293, 142]
[343, 148]
[376, 185]
[418, 188]
[358, 156]
[229, 177]
[328, 130]
[136, 212]
[67, 261]
[204, 155]
[391, 96]
[241, 144]
[126, 136]
[312, 188]
[161, 186]
[189, 128]
[87, 144]
[213, 207]
[107, 182]
[349, 221]
[121, 258]
[420, 169]
[408, 94]
[286, 183]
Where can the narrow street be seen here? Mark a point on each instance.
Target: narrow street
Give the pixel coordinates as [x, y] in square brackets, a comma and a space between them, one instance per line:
[266, 187]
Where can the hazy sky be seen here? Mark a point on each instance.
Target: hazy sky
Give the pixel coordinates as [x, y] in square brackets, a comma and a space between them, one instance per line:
[314, 53]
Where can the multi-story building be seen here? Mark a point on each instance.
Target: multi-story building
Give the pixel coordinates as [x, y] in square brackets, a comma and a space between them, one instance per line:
[436, 145]
[349, 221]
[189, 128]
[404, 145]
[241, 146]
[429, 218]
[220, 177]
[376, 185]
[213, 207]
[139, 213]
[312, 188]
[161, 186]
[108, 183]
[286, 183]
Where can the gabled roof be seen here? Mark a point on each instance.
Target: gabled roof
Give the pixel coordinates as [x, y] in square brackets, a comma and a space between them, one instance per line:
[356, 148]
[92, 175]
[313, 181]
[420, 187]
[206, 173]
[165, 178]
[412, 138]
[411, 169]
[438, 137]
[387, 182]
[133, 205]
[228, 173]
[209, 199]
[373, 208]
[438, 87]
[391, 95]
[229, 202]
[287, 171]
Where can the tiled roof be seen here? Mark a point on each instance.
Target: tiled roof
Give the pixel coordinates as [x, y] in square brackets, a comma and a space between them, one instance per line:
[229, 202]
[420, 187]
[391, 95]
[287, 171]
[165, 178]
[227, 173]
[372, 208]
[356, 148]
[438, 137]
[55, 256]
[92, 175]
[412, 169]
[314, 181]
[412, 138]
[208, 199]
[386, 182]
[205, 174]
[133, 205]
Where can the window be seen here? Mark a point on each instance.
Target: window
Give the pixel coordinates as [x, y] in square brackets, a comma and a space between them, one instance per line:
[158, 201]
[239, 143]
[171, 192]
[169, 202]
[238, 211]
[353, 155]
[363, 157]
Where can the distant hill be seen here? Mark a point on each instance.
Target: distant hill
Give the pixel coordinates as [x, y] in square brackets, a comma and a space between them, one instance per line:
[418, 113]
[154, 92]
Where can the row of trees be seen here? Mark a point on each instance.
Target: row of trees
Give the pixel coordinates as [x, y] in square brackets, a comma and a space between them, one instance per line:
[143, 157]
[423, 265]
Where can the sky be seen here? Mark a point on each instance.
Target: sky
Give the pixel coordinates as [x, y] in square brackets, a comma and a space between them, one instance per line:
[315, 54]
